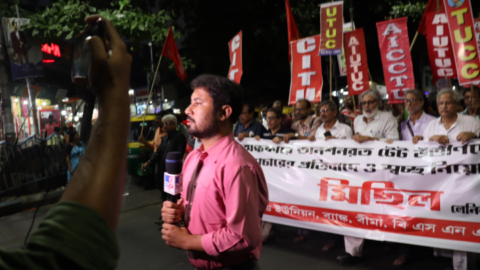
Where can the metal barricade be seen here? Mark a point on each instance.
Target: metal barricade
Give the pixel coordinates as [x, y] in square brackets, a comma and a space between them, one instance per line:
[31, 161]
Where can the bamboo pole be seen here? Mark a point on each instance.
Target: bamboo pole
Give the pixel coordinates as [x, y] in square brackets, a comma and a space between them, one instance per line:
[151, 91]
[414, 39]
[331, 78]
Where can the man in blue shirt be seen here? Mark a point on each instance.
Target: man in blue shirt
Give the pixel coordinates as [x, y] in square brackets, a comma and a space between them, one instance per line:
[247, 126]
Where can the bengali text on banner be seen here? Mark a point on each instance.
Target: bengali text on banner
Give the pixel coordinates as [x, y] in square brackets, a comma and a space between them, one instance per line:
[422, 194]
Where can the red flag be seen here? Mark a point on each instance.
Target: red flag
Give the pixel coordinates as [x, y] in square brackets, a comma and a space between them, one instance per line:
[431, 6]
[307, 79]
[170, 51]
[356, 62]
[236, 66]
[439, 44]
[396, 58]
[293, 33]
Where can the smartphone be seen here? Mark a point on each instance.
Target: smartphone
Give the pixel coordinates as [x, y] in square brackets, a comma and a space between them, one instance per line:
[326, 134]
[81, 52]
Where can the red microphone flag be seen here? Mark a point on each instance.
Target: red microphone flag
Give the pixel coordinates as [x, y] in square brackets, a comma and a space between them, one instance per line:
[293, 33]
[170, 51]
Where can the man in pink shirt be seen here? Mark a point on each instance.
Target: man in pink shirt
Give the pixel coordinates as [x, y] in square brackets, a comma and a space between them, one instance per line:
[225, 193]
[50, 126]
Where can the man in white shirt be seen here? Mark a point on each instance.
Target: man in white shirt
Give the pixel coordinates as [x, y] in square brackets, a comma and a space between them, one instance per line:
[450, 126]
[331, 128]
[412, 129]
[372, 125]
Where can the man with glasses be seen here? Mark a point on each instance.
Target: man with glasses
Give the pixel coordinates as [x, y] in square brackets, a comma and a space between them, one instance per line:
[247, 126]
[472, 102]
[306, 124]
[413, 128]
[373, 125]
[174, 141]
[276, 132]
[331, 127]
[451, 127]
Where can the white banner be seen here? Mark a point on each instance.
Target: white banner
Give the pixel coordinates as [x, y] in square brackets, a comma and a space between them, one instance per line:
[420, 194]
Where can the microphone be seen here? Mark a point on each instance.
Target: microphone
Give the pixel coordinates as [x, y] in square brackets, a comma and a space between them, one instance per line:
[173, 178]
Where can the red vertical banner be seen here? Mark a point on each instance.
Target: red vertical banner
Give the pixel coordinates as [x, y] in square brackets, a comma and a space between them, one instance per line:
[307, 79]
[396, 58]
[439, 44]
[356, 62]
[331, 25]
[236, 67]
[460, 22]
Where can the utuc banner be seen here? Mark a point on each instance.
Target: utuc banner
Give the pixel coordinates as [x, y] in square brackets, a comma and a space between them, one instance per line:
[342, 66]
[331, 25]
[419, 194]
[356, 62]
[396, 58]
[236, 66]
[307, 79]
[460, 22]
[440, 49]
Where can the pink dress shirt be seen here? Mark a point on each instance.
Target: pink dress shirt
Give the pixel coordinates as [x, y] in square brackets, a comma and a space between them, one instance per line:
[230, 198]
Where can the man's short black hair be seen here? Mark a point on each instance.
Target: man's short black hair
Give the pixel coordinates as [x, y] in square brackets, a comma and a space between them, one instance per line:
[277, 111]
[468, 89]
[223, 92]
[50, 116]
[309, 104]
[250, 107]
[263, 105]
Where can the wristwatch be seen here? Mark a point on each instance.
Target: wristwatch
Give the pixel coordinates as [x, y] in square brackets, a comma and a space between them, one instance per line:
[296, 135]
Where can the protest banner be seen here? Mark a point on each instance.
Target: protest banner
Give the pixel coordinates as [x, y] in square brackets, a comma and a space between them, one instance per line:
[460, 22]
[421, 194]
[396, 58]
[342, 66]
[236, 66]
[307, 79]
[356, 62]
[440, 49]
[24, 53]
[331, 25]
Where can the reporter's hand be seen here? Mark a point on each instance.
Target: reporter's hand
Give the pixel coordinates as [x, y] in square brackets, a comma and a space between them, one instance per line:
[257, 138]
[465, 136]
[416, 139]
[277, 140]
[106, 77]
[171, 212]
[241, 136]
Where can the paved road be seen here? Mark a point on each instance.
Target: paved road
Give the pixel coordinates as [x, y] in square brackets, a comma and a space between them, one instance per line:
[142, 247]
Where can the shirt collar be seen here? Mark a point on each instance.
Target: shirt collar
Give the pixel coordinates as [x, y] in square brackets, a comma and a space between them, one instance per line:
[334, 126]
[214, 151]
[466, 113]
[421, 119]
[307, 122]
[375, 117]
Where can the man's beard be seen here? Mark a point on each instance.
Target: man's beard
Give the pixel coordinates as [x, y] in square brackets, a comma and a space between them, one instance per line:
[212, 129]
[370, 115]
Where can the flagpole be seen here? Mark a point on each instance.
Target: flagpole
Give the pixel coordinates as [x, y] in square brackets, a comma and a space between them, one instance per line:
[413, 42]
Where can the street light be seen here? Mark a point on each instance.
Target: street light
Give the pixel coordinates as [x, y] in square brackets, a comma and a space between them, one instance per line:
[16, 99]
[25, 102]
[130, 92]
[44, 103]
[64, 112]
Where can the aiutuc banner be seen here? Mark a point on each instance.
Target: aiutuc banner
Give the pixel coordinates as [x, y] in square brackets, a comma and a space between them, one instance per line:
[422, 194]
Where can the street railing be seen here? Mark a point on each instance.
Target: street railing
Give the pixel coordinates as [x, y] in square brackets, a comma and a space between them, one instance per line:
[31, 161]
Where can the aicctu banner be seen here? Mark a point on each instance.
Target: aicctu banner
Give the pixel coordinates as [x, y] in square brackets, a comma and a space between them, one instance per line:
[423, 194]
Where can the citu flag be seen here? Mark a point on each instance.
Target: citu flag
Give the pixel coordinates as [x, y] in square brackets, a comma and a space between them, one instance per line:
[170, 50]
[293, 33]
[431, 6]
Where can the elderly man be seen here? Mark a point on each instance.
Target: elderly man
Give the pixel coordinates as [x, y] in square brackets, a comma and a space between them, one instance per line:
[331, 127]
[413, 128]
[472, 102]
[305, 125]
[174, 141]
[372, 125]
[451, 126]
[286, 121]
[248, 126]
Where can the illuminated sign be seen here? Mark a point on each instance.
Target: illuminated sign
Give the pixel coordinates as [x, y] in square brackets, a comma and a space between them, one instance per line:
[53, 49]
